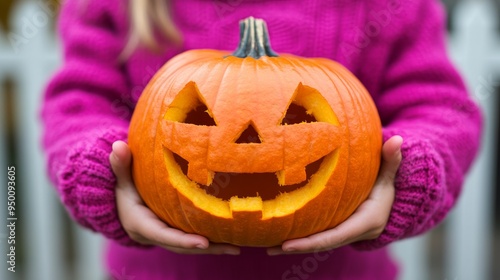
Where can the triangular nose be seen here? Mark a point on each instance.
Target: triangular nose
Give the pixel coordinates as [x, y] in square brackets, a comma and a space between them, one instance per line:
[249, 135]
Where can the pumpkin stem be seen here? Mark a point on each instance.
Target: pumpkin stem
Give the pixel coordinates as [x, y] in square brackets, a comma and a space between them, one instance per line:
[254, 39]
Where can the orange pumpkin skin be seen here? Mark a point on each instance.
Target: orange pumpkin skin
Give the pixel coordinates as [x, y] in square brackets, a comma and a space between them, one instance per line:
[239, 92]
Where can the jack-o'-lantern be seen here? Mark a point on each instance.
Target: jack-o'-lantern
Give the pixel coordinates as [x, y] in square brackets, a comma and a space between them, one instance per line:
[254, 148]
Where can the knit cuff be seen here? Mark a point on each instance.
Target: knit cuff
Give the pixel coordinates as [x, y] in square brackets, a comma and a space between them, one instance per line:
[87, 185]
[420, 192]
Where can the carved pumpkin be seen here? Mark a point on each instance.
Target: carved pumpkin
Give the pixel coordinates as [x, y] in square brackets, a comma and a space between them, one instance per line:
[252, 148]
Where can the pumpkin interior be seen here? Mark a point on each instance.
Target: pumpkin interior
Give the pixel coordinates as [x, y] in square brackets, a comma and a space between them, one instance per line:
[254, 192]
[265, 185]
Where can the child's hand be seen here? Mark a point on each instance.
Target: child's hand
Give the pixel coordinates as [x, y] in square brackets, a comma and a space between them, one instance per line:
[369, 220]
[142, 225]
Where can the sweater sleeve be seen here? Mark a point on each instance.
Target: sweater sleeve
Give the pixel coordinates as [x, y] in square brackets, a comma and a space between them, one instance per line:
[84, 111]
[424, 100]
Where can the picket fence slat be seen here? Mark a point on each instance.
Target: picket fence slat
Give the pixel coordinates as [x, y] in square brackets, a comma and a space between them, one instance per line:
[3, 178]
[470, 231]
[475, 47]
[43, 247]
[89, 255]
[411, 255]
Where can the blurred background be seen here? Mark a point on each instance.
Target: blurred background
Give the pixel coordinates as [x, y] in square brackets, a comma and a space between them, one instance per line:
[50, 246]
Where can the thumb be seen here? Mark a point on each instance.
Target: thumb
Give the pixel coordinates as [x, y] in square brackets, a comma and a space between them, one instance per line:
[391, 158]
[120, 159]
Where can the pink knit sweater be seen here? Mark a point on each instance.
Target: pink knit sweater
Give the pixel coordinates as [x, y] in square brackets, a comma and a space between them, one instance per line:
[395, 47]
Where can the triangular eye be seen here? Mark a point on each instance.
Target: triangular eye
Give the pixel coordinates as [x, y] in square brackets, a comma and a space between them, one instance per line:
[307, 105]
[249, 135]
[297, 114]
[190, 107]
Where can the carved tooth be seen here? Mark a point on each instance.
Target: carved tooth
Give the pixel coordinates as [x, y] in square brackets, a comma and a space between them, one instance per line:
[291, 175]
[199, 174]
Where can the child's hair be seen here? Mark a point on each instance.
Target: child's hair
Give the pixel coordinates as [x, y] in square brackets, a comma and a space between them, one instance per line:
[146, 17]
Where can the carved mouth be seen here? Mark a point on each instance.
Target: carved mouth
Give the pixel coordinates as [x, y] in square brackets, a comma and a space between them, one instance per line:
[264, 185]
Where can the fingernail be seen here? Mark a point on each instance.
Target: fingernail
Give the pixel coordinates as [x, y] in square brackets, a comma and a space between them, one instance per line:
[113, 153]
[233, 252]
[274, 252]
[289, 249]
[201, 246]
[113, 146]
[115, 156]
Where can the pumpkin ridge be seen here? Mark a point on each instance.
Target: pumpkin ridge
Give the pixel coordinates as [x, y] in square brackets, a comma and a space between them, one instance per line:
[354, 96]
[345, 195]
[167, 85]
[362, 125]
[374, 160]
[348, 148]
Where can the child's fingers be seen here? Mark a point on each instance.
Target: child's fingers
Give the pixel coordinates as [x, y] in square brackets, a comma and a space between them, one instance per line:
[367, 222]
[391, 158]
[370, 218]
[120, 159]
[143, 224]
[392, 146]
[146, 228]
[347, 232]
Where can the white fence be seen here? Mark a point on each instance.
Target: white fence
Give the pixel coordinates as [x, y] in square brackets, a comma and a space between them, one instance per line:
[29, 54]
